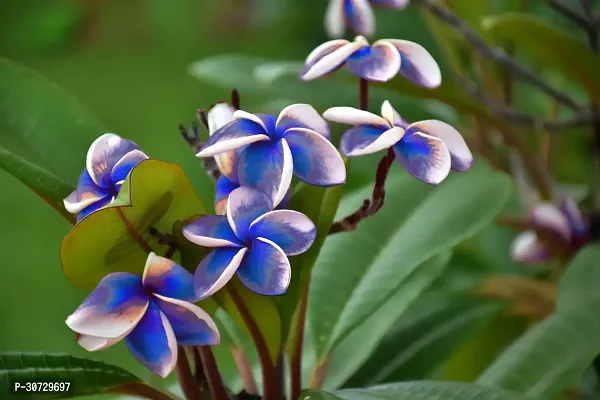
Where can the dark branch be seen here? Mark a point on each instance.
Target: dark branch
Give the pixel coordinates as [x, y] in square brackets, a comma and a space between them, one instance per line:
[568, 12]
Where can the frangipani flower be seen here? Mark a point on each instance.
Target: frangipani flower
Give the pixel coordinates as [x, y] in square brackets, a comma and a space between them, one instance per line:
[426, 149]
[564, 230]
[356, 13]
[380, 62]
[271, 149]
[252, 241]
[151, 313]
[109, 160]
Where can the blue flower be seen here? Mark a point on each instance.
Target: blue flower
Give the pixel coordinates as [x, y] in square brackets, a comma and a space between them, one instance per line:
[271, 149]
[357, 13]
[152, 313]
[426, 149]
[252, 241]
[109, 161]
[568, 229]
[379, 62]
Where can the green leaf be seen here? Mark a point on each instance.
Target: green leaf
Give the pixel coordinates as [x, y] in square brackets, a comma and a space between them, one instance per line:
[39, 119]
[85, 376]
[420, 390]
[156, 194]
[556, 352]
[533, 36]
[358, 272]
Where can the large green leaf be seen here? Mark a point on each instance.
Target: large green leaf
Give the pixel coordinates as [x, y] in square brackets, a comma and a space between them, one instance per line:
[85, 376]
[358, 272]
[556, 352]
[156, 194]
[45, 121]
[420, 390]
[533, 36]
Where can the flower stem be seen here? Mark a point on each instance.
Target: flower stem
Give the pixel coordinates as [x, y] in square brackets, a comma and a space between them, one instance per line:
[267, 367]
[364, 94]
[296, 362]
[245, 370]
[133, 231]
[142, 390]
[185, 376]
[211, 371]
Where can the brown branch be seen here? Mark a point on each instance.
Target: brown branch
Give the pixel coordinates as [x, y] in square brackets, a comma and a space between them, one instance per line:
[185, 377]
[245, 370]
[568, 12]
[211, 371]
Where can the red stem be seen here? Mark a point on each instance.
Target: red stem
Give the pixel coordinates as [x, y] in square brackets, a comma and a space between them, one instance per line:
[211, 371]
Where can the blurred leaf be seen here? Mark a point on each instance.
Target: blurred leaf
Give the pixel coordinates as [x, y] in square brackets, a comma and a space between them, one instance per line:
[46, 121]
[358, 272]
[421, 390]
[581, 280]
[155, 194]
[84, 375]
[556, 352]
[355, 349]
[470, 12]
[533, 36]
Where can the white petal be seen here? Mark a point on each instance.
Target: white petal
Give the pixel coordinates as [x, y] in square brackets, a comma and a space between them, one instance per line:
[527, 248]
[230, 144]
[241, 114]
[218, 116]
[354, 116]
[306, 115]
[424, 70]
[324, 49]
[335, 20]
[331, 61]
[549, 217]
[385, 141]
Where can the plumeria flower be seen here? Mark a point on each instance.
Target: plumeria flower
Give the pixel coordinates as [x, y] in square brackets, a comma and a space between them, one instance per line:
[271, 149]
[356, 13]
[379, 62]
[109, 160]
[426, 149]
[152, 313]
[564, 230]
[252, 241]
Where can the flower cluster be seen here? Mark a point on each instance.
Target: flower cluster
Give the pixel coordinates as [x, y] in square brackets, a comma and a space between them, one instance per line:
[357, 13]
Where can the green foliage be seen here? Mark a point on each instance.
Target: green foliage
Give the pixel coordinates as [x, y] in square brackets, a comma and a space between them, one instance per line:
[84, 376]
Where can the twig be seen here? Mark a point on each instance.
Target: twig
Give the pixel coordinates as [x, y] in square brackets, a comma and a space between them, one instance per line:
[185, 377]
[364, 94]
[565, 10]
[211, 371]
[495, 53]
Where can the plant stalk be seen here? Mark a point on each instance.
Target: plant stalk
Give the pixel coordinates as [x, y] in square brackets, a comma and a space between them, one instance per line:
[186, 379]
[211, 372]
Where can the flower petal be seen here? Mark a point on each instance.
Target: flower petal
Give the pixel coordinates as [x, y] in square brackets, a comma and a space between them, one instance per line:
[425, 157]
[87, 193]
[243, 207]
[548, 217]
[211, 231]
[392, 116]
[102, 156]
[359, 15]
[291, 230]
[165, 277]
[325, 49]
[396, 4]
[266, 269]
[330, 62]
[94, 207]
[366, 139]
[153, 342]
[114, 307]
[316, 160]
[235, 134]
[302, 116]
[417, 63]
[241, 114]
[354, 116]
[462, 158]
[379, 63]
[578, 224]
[335, 20]
[267, 167]
[216, 269]
[218, 116]
[222, 191]
[124, 166]
[94, 343]
[191, 325]
[527, 248]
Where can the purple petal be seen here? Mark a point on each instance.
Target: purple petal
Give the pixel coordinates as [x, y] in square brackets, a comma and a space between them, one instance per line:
[425, 157]
[94, 207]
[244, 206]
[153, 342]
[335, 19]
[367, 139]
[392, 116]
[191, 325]
[165, 277]
[527, 248]
[267, 167]
[266, 269]
[285, 203]
[216, 269]
[222, 191]
[330, 62]
[86, 194]
[396, 4]
[235, 134]
[291, 230]
[325, 49]
[113, 308]
[302, 116]
[316, 160]
[578, 224]
[462, 158]
[94, 343]
[417, 64]
[360, 16]
[211, 231]
[124, 166]
[354, 116]
[548, 217]
[102, 156]
[378, 63]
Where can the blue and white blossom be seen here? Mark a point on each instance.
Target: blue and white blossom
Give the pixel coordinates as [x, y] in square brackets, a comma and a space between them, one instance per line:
[358, 14]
